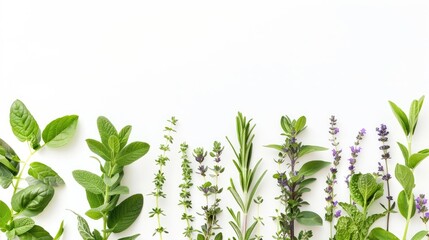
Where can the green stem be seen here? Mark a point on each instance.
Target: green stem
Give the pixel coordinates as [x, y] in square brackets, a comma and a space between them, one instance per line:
[410, 210]
[158, 215]
[106, 201]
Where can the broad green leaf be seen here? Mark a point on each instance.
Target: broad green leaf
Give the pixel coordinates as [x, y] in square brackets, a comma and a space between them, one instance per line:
[125, 213]
[60, 131]
[131, 153]
[124, 134]
[23, 124]
[32, 200]
[119, 190]
[306, 149]
[94, 200]
[97, 235]
[8, 164]
[219, 236]
[307, 181]
[416, 158]
[5, 214]
[36, 233]
[381, 234]
[284, 123]
[300, 124]
[83, 228]
[405, 153]
[355, 194]
[420, 235]
[405, 177]
[403, 204]
[133, 237]
[45, 174]
[7, 152]
[60, 231]
[96, 213]
[99, 149]
[312, 167]
[90, 181]
[308, 218]
[367, 186]
[401, 117]
[114, 144]
[276, 147]
[22, 225]
[200, 237]
[6, 177]
[106, 129]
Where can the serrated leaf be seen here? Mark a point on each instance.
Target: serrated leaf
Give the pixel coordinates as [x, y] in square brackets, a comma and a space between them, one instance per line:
[23, 124]
[90, 181]
[106, 129]
[5, 214]
[99, 148]
[45, 174]
[309, 218]
[60, 131]
[132, 152]
[36, 233]
[32, 200]
[405, 177]
[22, 225]
[312, 167]
[125, 214]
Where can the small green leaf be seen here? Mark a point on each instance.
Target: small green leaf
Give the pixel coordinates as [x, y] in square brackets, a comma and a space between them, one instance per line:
[308, 218]
[132, 152]
[125, 213]
[114, 144]
[94, 200]
[124, 134]
[405, 177]
[106, 129]
[276, 147]
[45, 174]
[312, 167]
[300, 124]
[90, 181]
[405, 153]
[306, 149]
[401, 117]
[99, 149]
[6, 177]
[83, 228]
[416, 158]
[36, 233]
[23, 225]
[5, 214]
[200, 237]
[60, 231]
[403, 204]
[23, 124]
[32, 200]
[219, 236]
[60, 131]
[133, 237]
[119, 190]
[110, 181]
[381, 234]
[420, 235]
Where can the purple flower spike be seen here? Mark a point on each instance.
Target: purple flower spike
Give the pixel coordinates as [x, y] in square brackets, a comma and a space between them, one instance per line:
[338, 213]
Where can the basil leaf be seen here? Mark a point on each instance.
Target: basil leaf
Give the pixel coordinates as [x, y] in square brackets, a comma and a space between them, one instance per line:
[45, 174]
[132, 152]
[90, 181]
[312, 167]
[36, 233]
[5, 214]
[32, 200]
[405, 177]
[401, 117]
[420, 235]
[306, 149]
[6, 177]
[416, 158]
[381, 234]
[125, 213]
[23, 124]
[403, 204]
[23, 225]
[60, 131]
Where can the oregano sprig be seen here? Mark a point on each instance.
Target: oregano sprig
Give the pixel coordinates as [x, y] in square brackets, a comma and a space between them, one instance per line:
[185, 193]
[160, 179]
[16, 221]
[103, 191]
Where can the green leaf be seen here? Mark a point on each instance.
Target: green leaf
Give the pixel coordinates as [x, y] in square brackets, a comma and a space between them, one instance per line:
[96, 213]
[200, 237]
[416, 158]
[23, 225]
[133, 237]
[83, 228]
[312, 167]
[405, 177]
[5, 214]
[401, 117]
[405, 153]
[60, 131]
[60, 231]
[6, 177]
[219, 236]
[403, 204]
[114, 144]
[90, 181]
[355, 193]
[300, 124]
[309, 218]
[119, 190]
[45, 174]
[124, 134]
[94, 200]
[125, 213]
[36, 233]
[32, 200]
[413, 115]
[106, 129]
[132, 152]
[420, 235]
[99, 149]
[367, 186]
[306, 149]
[23, 124]
[110, 181]
[7, 164]
[381, 234]
[276, 147]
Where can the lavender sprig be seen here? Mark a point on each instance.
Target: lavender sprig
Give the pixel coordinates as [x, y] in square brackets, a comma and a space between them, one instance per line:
[383, 171]
[185, 194]
[422, 209]
[355, 150]
[332, 176]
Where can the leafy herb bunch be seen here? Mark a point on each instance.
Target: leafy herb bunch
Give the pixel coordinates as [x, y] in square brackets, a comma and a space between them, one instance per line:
[294, 182]
[17, 221]
[103, 191]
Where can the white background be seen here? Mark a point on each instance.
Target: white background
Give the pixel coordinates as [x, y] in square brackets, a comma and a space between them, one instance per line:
[139, 62]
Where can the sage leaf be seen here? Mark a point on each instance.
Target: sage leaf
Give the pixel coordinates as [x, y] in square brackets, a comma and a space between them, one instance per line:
[405, 177]
[119, 190]
[36, 233]
[32, 200]
[125, 213]
[60, 131]
[99, 149]
[124, 134]
[5, 214]
[23, 124]
[106, 129]
[23, 225]
[83, 228]
[94, 200]
[45, 174]
[90, 181]
[114, 144]
[312, 167]
[309, 218]
[132, 152]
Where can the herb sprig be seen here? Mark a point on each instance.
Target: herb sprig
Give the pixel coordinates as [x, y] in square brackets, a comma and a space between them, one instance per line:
[185, 193]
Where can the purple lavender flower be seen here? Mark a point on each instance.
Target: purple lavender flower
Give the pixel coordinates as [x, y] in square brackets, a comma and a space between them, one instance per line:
[355, 150]
[338, 214]
[421, 206]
